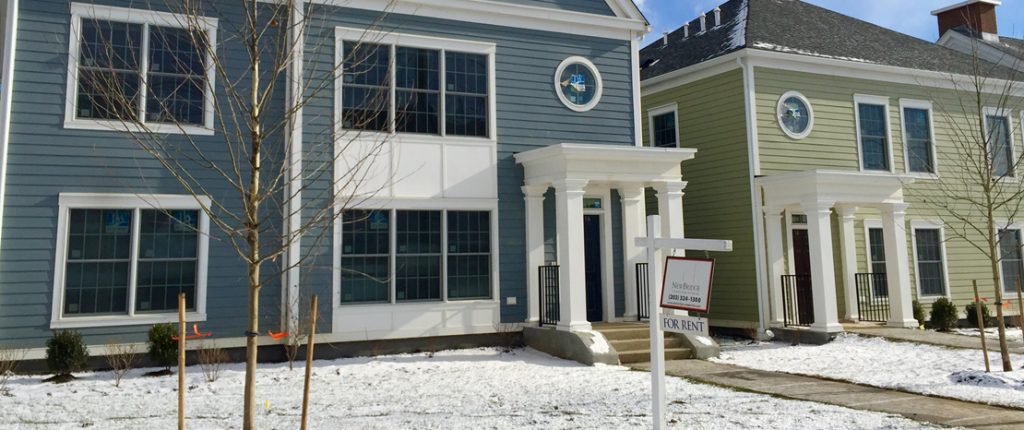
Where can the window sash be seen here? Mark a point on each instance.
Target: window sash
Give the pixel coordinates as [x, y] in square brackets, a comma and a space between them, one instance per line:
[917, 126]
[874, 141]
[665, 134]
[1011, 261]
[1000, 149]
[132, 264]
[177, 93]
[930, 266]
[446, 110]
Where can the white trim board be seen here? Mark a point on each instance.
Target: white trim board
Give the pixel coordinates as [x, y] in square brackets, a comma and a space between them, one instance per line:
[505, 14]
[6, 92]
[136, 202]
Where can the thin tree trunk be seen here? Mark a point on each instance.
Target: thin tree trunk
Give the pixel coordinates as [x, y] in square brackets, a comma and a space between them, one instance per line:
[251, 199]
[993, 243]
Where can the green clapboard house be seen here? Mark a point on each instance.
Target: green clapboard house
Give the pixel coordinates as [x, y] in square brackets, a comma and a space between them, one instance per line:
[827, 153]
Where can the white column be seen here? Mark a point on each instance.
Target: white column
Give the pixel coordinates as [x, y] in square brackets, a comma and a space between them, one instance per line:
[632, 227]
[823, 269]
[572, 285]
[897, 265]
[776, 261]
[670, 207]
[848, 253]
[534, 196]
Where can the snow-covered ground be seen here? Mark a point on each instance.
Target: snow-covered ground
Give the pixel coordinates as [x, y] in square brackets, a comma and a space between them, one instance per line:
[478, 389]
[925, 369]
[1013, 334]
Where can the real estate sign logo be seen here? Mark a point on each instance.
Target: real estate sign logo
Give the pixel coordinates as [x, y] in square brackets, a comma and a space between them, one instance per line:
[687, 284]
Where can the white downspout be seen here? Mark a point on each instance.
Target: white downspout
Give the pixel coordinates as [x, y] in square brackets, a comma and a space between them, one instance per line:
[634, 49]
[10, 45]
[293, 214]
[754, 162]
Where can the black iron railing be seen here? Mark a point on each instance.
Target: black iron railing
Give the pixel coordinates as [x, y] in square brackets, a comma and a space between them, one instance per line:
[797, 301]
[872, 297]
[643, 305]
[549, 307]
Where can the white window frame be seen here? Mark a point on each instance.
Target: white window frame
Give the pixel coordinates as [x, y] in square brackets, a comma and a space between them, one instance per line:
[393, 207]
[597, 78]
[923, 105]
[80, 11]
[391, 40]
[1004, 225]
[870, 224]
[135, 202]
[930, 225]
[810, 113]
[859, 99]
[658, 111]
[1005, 113]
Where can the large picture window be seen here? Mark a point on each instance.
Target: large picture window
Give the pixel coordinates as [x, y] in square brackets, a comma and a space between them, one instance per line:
[931, 279]
[122, 259]
[132, 66]
[873, 132]
[423, 255]
[437, 86]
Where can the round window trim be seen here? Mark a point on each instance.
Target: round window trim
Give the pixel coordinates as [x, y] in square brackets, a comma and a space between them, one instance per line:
[810, 113]
[597, 78]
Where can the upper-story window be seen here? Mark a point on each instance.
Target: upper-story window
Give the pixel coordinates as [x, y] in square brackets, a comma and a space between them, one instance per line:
[415, 85]
[131, 67]
[1000, 142]
[873, 132]
[664, 127]
[918, 136]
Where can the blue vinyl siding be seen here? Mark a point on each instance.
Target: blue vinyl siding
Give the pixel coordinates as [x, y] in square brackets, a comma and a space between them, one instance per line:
[599, 7]
[46, 159]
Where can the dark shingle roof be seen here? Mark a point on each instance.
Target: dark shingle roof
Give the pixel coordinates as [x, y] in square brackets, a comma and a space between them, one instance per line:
[793, 26]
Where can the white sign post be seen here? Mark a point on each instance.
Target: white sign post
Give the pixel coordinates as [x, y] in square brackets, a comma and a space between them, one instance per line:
[654, 244]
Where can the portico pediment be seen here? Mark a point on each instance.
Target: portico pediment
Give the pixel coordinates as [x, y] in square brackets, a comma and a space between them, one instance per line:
[857, 188]
[602, 163]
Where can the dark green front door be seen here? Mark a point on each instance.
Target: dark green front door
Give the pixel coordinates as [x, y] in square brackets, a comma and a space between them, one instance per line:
[592, 255]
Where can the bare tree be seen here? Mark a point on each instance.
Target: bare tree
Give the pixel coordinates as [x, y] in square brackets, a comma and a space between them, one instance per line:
[121, 357]
[979, 194]
[264, 198]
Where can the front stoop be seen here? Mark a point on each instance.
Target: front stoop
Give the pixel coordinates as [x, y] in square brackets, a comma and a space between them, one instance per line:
[632, 342]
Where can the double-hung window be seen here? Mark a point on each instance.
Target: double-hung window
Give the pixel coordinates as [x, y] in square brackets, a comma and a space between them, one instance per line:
[664, 127]
[1000, 142]
[929, 255]
[876, 261]
[873, 132]
[401, 256]
[415, 85]
[139, 67]
[124, 259]
[918, 139]
[1010, 259]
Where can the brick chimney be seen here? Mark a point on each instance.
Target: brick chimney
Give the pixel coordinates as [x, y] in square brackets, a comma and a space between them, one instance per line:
[977, 15]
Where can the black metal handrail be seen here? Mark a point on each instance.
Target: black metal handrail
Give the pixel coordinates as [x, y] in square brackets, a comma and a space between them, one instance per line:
[872, 297]
[549, 306]
[797, 300]
[643, 305]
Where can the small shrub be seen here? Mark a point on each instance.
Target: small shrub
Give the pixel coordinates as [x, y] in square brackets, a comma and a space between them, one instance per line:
[163, 349]
[972, 315]
[509, 335]
[212, 360]
[919, 313]
[9, 359]
[65, 353]
[944, 315]
[121, 358]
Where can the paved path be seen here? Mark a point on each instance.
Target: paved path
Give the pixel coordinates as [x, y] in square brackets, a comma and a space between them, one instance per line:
[931, 337]
[917, 407]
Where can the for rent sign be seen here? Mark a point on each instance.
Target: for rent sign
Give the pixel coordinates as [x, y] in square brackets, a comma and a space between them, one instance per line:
[681, 324]
[687, 284]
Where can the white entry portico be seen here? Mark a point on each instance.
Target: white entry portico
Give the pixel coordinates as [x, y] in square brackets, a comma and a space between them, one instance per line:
[815, 194]
[576, 170]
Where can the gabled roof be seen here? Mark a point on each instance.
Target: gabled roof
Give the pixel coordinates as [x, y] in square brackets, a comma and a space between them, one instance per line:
[795, 27]
[1007, 45]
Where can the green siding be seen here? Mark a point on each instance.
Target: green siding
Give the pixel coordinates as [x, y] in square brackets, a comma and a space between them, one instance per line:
[717, 203]
[833, 145]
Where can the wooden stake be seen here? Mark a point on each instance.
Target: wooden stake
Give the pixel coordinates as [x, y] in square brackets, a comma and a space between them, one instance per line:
[309, 362]
[1020, 309]
[181, 361]
[981, 326]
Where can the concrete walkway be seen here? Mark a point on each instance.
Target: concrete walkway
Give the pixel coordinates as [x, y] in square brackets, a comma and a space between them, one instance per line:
[917, 407]
[930, 337]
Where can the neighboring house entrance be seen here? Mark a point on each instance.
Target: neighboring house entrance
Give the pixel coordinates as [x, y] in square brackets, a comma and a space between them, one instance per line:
[802, 266]
[592, 255]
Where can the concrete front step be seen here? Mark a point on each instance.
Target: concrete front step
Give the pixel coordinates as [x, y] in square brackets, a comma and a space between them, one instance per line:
[625, 332]
[645, 343]
[641, 356]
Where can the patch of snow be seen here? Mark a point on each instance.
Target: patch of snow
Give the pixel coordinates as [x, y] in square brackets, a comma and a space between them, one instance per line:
[738, 34]
[918, 368]
[599, 345]
[704, 340]
[788, 50]
[1013, 334]
[469, 389]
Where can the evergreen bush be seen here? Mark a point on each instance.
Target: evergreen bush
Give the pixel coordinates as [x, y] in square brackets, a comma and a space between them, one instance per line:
[919, 314]
[163, 349]
[65, 353]
[972, 315]
[944, 315]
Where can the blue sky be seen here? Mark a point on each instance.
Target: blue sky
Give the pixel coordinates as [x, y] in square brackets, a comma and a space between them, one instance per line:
[912, 17]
